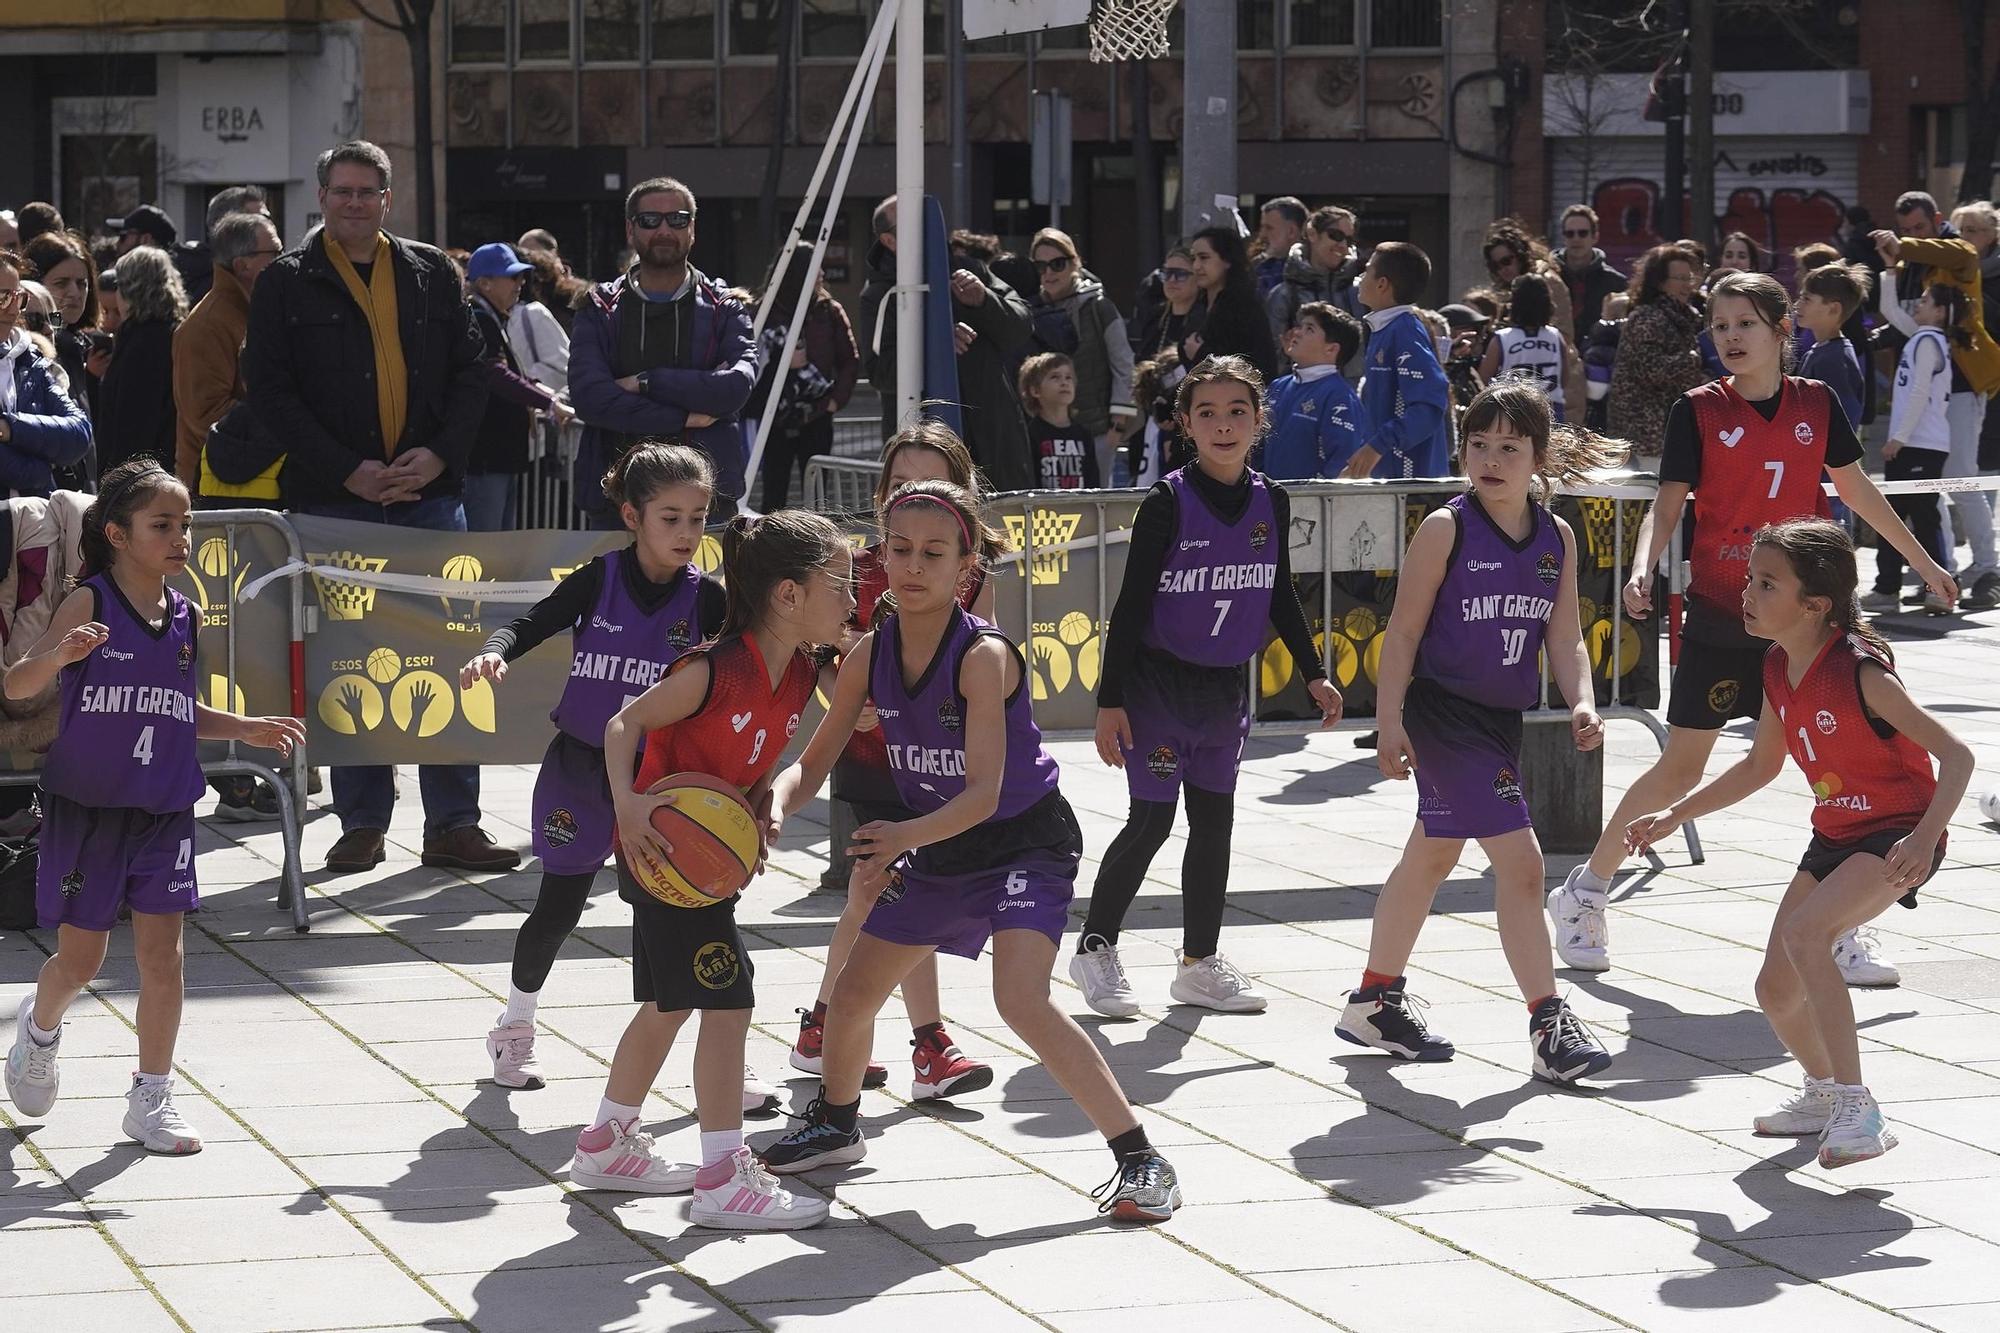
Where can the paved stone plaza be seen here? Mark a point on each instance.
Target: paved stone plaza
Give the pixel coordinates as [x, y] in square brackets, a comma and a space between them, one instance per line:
[360, 1173]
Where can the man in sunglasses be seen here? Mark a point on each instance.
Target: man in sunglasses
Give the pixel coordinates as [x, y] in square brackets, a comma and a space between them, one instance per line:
[661, 350]
[1590, 277]
[1323, 266]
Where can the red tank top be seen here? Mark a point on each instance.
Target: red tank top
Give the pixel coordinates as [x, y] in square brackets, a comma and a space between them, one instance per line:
[1866, 777]
[1753, 472]
[742, 726]
[871, 580]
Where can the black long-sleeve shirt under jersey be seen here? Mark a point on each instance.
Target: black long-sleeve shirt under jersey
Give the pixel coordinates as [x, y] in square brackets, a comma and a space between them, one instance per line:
[576, 597]
[1152, 536]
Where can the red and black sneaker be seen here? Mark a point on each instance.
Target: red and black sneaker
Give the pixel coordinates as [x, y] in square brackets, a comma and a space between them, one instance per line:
[806, 1051]
[942, 1069]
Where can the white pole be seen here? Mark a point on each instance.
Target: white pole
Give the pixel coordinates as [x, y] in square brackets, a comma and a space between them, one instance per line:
[909, 208]
[867, 74]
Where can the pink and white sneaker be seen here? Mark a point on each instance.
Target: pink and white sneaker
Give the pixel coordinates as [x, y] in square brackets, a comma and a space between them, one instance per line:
[512, 1046]
[619, 1157]
[738, 1194]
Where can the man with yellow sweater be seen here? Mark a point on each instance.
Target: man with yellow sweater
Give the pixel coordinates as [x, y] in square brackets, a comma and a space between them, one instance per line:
[1931, 252]
[363, 358]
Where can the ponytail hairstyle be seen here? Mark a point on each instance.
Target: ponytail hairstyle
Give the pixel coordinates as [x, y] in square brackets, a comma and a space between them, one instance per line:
[1529, 306]
[1565, 455]
[1956, 303]
[1766, 296]
[1221, 370]
[941, 440]
[122, 492]
[1822, 557]
[976, 536]
[760, 553]
[652, 466]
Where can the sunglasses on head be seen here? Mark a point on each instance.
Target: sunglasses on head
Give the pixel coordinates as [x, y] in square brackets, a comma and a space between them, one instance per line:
[1176, 274]
[650, 220]
[1060, 264]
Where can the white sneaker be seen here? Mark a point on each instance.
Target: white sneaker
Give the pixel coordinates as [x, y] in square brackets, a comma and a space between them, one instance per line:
[512, 1046]
[1876, 602]
[1583, 939]
[1859, 956]
[150, 1118]
[32, 1076]
[1804, 1112]
[759, 1097]
[1215, 983]
[619, 1157]
[1101, 978]
[1856, 1131]
[738, 1194]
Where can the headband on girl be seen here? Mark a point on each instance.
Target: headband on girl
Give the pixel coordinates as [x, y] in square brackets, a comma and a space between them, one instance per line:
[963, 530]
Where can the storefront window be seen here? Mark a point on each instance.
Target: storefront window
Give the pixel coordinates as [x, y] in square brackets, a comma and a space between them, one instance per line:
[834, 27]
[684, 29]
[542, 30]
[1406, 24]
[1322, 23]
[478, 32]
[611, 31]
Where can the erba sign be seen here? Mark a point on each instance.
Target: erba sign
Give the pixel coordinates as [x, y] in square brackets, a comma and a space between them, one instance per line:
[234, 118]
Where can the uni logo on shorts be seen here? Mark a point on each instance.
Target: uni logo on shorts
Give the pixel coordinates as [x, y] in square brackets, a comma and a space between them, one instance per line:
[716, 966]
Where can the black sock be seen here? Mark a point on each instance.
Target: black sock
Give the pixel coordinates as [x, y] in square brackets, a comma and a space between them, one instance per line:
[817, 1018]
[841, 1117]
[923, 1030]
[1132, 1143]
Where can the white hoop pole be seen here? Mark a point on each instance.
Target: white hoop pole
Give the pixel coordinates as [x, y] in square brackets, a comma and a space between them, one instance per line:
[866, 75]
[909, 208]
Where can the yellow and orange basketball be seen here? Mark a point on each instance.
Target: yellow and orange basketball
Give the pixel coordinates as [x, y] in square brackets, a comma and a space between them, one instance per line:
[715, 837]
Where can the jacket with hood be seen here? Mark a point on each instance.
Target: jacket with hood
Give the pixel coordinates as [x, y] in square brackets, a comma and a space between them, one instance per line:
[512, 399]
[47, 431]
[1587, 292]
[996, 430]
[1086, 327]
[309, 370]
[706, 364]
[1304, 282]
[1952, 261]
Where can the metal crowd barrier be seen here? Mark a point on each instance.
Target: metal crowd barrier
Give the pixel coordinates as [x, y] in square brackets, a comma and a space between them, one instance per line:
[291, 784]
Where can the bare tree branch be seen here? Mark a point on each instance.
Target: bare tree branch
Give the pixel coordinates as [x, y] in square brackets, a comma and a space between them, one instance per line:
[377, 19]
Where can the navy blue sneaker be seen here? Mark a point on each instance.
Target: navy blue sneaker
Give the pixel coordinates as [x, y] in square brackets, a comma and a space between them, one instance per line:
[817, 1142]
[1384, 1017]
[1565, 1049]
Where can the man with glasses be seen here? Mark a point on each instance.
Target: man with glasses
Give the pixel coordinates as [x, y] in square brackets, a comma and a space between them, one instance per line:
[363, 358]
[1589, 276]
[208, 348]
[661, 350]
[41, 429]
[1323, 266]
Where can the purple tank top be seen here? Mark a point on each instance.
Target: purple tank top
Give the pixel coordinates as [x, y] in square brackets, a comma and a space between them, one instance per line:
[621, 651]
[923, 726]
[1213, 603]
[1492, 610]
[125, 739]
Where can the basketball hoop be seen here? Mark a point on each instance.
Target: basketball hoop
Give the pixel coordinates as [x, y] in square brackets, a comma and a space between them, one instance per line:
[1129, 29]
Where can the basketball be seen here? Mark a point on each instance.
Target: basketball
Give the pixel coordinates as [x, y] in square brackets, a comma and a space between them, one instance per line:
[715, 837]
[1074, 628]
[1989, 806]
[384, 665]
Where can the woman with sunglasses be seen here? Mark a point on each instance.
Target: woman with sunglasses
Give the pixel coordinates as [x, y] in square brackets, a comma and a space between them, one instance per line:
[1074, 317]
[1236, 324]
[41, 429]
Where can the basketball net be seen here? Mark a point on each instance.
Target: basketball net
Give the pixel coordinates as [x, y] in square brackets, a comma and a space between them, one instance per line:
[1129, 29]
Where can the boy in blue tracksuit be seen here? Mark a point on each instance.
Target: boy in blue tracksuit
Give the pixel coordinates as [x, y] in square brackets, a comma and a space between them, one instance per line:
[1403, 393]
[1316, 423]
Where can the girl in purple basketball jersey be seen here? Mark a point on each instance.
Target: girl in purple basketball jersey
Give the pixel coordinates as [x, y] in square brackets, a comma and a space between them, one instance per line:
[1207, 578]
[629, 614]
[119, 788]
[989, 851]
[1488, 584]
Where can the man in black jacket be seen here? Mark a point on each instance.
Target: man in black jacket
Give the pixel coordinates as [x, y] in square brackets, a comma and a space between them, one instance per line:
[500, 453]
[363, 356]
[1590, 277]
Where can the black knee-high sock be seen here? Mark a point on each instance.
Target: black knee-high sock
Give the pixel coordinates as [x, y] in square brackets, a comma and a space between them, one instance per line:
[1125, 864]
[1205, 869]
[558, 907]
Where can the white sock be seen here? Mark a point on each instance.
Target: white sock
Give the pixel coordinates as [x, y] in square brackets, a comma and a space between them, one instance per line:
[608, 1111]
[140, 1077]
[39, 1037]
[1590, 884]
[520, 1006]
[718, 1144]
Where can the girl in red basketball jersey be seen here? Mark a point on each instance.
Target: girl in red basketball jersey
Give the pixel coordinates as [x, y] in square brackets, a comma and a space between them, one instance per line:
[864, 792]
[1832, 699]
[725, 709]
[1752, 447]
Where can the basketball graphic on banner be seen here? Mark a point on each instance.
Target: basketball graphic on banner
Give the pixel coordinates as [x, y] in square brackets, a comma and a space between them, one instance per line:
[384, 665]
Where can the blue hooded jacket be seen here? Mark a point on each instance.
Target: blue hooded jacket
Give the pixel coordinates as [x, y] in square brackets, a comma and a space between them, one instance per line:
[46, 429]
[1316, 425]
[1407, 402]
